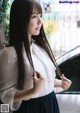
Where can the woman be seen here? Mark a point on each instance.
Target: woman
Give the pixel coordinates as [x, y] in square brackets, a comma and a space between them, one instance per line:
[28, 66]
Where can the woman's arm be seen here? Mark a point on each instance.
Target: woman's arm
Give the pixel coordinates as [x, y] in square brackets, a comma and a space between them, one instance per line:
[23, 94]
[57, 83]
[38, 82]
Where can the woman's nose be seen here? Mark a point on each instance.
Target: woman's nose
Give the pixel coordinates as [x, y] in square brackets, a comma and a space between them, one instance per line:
[39, 20]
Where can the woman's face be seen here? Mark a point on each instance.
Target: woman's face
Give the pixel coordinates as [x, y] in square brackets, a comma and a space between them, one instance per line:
[35, 23]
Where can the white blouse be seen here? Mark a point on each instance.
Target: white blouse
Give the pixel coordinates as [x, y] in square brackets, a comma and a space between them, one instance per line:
[9, 72]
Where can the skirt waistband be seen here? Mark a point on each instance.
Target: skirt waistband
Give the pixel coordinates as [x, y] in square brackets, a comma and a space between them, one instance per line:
[50, 95]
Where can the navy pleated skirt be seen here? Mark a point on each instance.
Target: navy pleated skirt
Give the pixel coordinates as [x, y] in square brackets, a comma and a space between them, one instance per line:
[45, 104]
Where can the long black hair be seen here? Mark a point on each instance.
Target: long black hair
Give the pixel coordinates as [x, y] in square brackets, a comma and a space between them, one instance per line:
[20, 15]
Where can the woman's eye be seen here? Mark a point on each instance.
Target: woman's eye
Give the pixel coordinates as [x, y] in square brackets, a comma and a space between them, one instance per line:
[34, 16]
[41, 15]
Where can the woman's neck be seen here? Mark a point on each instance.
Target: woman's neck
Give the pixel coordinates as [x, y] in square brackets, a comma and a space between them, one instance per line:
[30, 39]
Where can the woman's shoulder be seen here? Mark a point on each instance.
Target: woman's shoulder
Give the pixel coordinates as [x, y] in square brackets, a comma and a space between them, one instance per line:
[8, 54]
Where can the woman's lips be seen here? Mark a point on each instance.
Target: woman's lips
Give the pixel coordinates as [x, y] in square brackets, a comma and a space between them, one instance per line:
[37, 28]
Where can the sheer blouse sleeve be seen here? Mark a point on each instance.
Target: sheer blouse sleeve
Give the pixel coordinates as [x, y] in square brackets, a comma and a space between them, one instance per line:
[8, 77]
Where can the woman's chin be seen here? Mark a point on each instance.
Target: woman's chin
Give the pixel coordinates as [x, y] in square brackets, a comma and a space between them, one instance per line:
[36, 34]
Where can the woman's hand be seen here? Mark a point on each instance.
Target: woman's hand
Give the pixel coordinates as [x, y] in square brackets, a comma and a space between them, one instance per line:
[38, 82]
[65, 82]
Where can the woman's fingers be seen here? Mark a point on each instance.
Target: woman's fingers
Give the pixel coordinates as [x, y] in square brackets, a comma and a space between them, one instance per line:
[38, 75]
[66, 83]
[34, 75]
[38, 82]
[66, 79]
